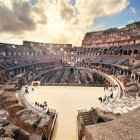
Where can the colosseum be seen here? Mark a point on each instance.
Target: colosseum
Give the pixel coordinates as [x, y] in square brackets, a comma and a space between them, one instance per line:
[54, 91]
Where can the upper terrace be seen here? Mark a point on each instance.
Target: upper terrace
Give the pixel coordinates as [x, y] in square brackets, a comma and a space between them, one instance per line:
[128, 35]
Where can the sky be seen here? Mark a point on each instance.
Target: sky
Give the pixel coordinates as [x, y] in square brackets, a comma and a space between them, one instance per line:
[62, 21]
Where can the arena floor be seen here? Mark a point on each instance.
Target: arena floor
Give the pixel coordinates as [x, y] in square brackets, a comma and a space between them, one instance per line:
[66, 101]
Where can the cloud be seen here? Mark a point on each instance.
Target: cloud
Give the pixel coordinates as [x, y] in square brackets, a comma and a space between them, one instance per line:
[119, 27]
[66, 10]
[132, 10]
[58, 21]
[19, 16]
[131, 21]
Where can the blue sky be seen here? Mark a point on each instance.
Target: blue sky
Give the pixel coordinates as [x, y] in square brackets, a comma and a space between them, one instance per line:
[34, 1]
[123, 18]
[71, 1]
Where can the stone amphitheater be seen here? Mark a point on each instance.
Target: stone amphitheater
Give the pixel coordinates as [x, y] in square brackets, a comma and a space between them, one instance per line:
[107, 63]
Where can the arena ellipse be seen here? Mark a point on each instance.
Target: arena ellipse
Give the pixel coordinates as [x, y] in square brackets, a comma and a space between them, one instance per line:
[63, 92]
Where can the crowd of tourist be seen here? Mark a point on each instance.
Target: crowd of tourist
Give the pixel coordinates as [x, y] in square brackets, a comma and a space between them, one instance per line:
[106, 99]
[42, 106]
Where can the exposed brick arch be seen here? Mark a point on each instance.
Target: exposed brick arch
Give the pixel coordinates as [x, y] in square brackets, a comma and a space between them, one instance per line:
[125, 52]
[121, 51]
[105, 51]
[130, 52]
[1, 80]
[135, 52]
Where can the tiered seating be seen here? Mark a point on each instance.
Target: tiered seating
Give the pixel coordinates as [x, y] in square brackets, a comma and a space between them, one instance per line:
[112, 60]
[11, 103]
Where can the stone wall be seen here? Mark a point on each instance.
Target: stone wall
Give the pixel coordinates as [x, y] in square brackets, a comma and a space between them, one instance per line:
[113, 37]
[124, 128]
[33, 123]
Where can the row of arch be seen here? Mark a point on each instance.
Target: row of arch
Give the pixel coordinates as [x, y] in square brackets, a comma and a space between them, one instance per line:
[127, 72]
[108, 51]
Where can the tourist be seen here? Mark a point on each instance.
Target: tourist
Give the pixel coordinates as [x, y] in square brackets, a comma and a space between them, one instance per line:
[104, 98]
[104, 88]
[100, 98]
[45, 104]
[38, 104]
[32, 89]
[114, 87]
[48, 112]
[41, 106]
[111, 96]
[35, 103]
[26, 90]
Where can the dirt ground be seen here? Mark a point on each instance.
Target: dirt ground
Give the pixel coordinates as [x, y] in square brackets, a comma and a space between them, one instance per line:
[67, 101]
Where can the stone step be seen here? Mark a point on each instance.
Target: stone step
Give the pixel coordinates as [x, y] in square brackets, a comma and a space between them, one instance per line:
[85, 113]
[88, 122]
[87, 118]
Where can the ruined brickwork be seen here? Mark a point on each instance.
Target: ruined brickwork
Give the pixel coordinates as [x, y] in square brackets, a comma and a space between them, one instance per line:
[129, 35]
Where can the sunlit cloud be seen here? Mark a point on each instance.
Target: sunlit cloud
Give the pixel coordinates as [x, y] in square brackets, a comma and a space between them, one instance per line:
[57, 21]
[132, 10]
[131, 21]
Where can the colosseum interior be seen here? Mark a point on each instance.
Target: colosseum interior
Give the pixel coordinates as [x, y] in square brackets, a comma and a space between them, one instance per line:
[101, 80]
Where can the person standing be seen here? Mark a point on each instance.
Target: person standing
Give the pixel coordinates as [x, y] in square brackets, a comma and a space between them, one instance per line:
[100, 98]
[32, 89]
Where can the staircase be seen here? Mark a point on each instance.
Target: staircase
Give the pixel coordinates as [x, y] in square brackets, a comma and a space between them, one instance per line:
[87, 118]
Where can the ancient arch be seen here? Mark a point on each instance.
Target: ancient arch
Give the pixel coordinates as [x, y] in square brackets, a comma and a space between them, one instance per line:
[100, 120]
[1, 80]
[125, 52]
[135, 52]
[105, 51]
[130, 52]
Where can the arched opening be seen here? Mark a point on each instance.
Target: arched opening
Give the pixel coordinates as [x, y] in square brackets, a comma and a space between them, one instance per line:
[125, 52]
[94, 51]
[130, 52]
[135, 51]
[0, 80]
[134, 41]
[121, 52]
[105, 50]
[100, 120]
